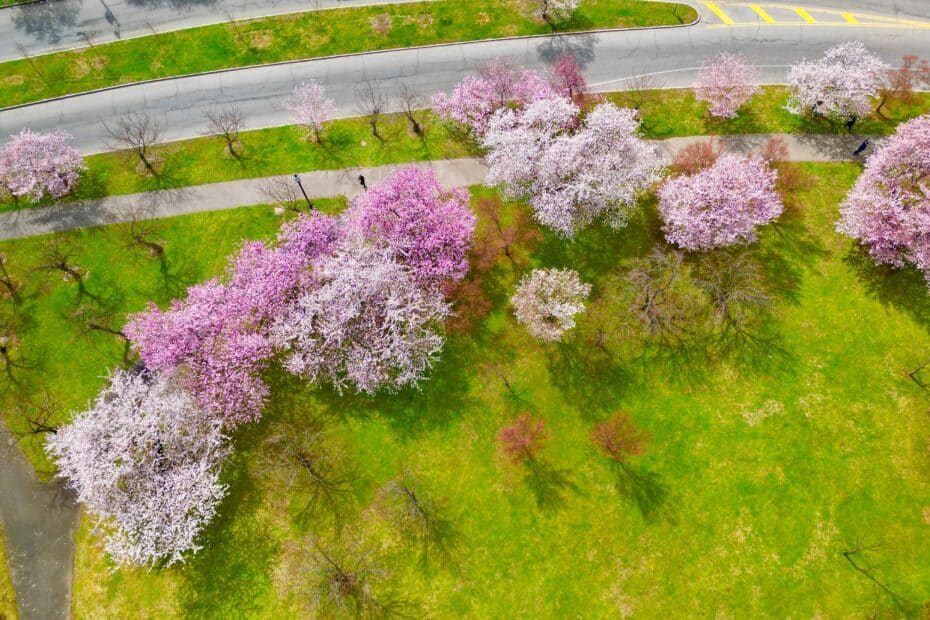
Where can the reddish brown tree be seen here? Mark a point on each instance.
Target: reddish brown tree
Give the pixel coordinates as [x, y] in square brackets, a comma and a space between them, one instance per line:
[618, 438]
[469, 304]
[514, 239]
[523, 440]
[697, 156]
[901, 83]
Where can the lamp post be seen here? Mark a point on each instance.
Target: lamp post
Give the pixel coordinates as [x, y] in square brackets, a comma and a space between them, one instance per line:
[303, 191]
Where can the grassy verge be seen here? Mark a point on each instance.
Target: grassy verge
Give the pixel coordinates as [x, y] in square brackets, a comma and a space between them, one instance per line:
[761, 472]
[8, 609]
[307, 35]
[282, 150]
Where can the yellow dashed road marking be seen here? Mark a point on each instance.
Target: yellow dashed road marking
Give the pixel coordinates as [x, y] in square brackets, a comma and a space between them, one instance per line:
[849, 18]
[804, 15]
[761, 13]
[716, 11]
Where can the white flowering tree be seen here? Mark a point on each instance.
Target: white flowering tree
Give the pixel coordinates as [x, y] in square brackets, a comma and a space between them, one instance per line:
[364, 322]
[311, 108]
[547, 301]
[839, 86]
[146, 460]
[571, 172]
[726, 82]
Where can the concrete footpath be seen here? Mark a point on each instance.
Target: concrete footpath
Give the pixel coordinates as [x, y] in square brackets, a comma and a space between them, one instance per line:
[343, 182]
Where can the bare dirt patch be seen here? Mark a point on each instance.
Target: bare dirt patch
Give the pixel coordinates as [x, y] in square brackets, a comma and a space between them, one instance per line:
[261, 39]
[381, 23]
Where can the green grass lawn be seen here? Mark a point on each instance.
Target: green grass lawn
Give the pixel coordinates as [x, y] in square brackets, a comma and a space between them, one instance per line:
[283, 150]
[308, 35]
[762, 469]
[8, 609]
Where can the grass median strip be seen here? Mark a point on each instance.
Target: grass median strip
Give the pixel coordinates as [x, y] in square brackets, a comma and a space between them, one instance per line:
[283, 150]
[308, 35]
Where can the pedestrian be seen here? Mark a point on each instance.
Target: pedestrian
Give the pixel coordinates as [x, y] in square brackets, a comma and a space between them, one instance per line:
[361, 181]
[862, 147]
[849, 124]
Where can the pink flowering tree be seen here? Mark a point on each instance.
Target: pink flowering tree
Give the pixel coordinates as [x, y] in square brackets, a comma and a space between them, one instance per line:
[40, 164]
[839, 86]
[726, 82]
[366, 322]
[218, 336]
[547, 301]
[721, 205]
[888, 209]
[496, 85]
[571, 172]
[311, 108]
[428, 228]
[568, 79]
[145, 459]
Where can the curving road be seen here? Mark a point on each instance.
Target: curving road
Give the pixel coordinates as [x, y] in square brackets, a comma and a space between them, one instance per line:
[608, 58]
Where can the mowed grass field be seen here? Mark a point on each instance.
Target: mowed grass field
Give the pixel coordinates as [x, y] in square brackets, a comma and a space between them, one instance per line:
[309, 35]
[762, 470]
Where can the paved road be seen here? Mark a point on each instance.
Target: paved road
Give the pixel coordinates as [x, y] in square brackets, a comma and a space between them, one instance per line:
[55, 25]
[608, 58]
[39, 520]
[326, 183]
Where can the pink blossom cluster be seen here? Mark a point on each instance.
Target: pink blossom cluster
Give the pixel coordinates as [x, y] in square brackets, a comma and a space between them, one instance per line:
[39, 164]
[146, 459]
[840, 86]
[497, 85]
[427, 228]
[726, 82]
[572, 171]
[218, 335]
[888, 209]
[721, 205]
[311, 107]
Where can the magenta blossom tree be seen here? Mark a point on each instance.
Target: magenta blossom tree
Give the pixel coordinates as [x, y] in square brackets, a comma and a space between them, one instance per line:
[839, 86]
[145, 459]
[888, 209]
[311, 108]
[721, 205]
[568, 79]
[427, 228]
[218, 336]
[40, 164]
[571, 173]
[366, 322]
[497, 85]
[726, 82]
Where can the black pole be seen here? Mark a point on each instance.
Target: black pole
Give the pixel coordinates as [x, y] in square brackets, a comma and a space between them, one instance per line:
[302, 191]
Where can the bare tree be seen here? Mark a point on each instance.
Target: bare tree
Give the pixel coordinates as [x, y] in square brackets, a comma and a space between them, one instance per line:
[144, 234]
[32, 63]
[283, 193]
[418, 517]
[35, 418]
[640, 90]
[371, 104]
[94, 318]
[9, 345]
[227, 123]
[412, 103]
[7, 281]
[346, 580]
[57, 257]
[306, 462]
[137, 132]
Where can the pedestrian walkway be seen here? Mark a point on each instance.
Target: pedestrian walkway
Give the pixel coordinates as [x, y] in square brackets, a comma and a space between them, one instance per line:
[344, 182]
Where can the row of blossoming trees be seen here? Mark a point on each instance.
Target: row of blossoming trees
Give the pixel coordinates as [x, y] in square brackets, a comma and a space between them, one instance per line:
[357, 301]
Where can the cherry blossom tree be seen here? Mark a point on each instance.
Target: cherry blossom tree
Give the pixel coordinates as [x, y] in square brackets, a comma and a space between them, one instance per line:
[839, 86]
[888, 209]
[547, 301]
[365, 322]
[554, 11]
[722, 205]
[726, 82]
[219, 334]
[39, 164]
[568, 79]
[496, 85]
[427, 228]
[571, 173]
[523, 440]
[311, 108]
[145, 458]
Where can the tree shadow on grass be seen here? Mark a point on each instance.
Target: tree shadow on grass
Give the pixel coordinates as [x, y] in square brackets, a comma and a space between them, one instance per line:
[901, 289]
[587, 378]
[549, 484]
[645, 489]
[231, 576]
